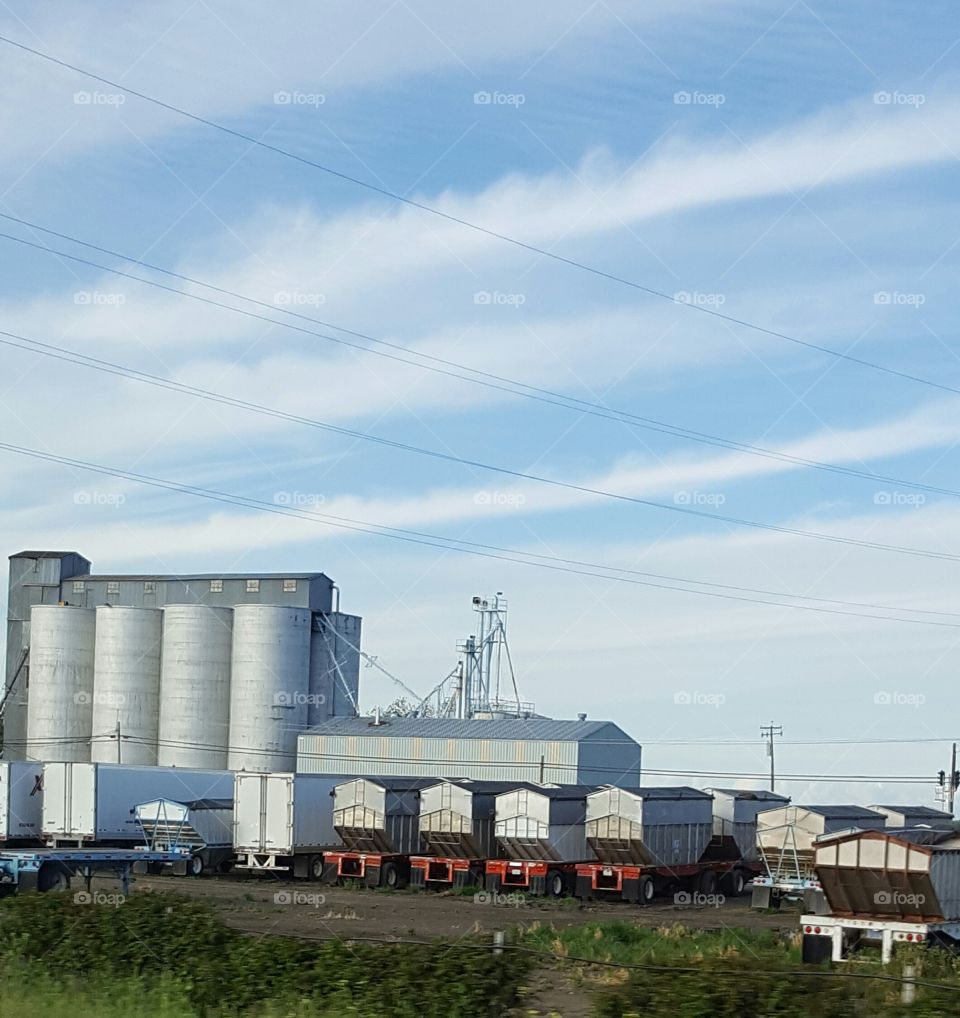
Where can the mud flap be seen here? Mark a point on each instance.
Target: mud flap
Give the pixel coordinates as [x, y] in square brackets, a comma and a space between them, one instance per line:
[631, 891]
[816, 949]
[762, 897]
[584, 888]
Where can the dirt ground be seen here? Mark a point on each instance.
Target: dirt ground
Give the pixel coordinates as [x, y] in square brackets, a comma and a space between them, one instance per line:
[302, 909]
[262, 906]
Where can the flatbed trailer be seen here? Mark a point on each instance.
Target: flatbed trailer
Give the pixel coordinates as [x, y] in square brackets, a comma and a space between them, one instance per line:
[638, 884]
[837, 938]
[52, 869]
[372, 869]
[433, 872]
[692, 884]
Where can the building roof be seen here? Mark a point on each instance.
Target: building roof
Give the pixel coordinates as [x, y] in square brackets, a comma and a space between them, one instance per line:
[666, 792]
[752, 794]
[843, 812]
[918, 811]
[546, 729]
[45, 554]
[180, 577]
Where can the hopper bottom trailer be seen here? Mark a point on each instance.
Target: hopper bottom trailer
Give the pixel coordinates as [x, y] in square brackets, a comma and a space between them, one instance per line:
[632, 844]
[885, 890]
[378, 822]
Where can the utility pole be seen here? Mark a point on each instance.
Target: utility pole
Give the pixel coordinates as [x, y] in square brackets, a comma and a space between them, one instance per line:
[118, 739]
[950, 782]
[768, 732]
[953, 778]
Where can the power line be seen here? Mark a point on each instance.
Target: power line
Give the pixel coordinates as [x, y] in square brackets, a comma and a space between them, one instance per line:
[445, 543]
[303, 756]
[486, 231]
[73, 357]
[801, 742]
[542, 395]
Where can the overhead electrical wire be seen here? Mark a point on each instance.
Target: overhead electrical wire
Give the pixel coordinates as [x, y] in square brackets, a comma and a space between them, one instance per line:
[71, 356]
[306, 755]
[477, 376]
[556, 564]
[476, 227]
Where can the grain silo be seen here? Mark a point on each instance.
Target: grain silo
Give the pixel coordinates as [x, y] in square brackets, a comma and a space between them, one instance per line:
[60, 704]
[126, 685]
[334, 667]
[269, 688]
[195, 686]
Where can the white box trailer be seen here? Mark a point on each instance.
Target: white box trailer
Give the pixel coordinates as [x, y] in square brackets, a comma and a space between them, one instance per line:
[283, 822]
[95, 803]
[21, 802]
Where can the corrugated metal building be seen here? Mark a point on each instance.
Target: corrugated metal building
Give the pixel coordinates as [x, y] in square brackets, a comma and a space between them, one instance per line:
[513, 749]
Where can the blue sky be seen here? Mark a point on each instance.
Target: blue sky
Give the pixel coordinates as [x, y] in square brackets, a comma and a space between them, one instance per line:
[808, 185]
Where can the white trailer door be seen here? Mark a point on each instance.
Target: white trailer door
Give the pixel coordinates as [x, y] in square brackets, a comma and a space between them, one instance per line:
[278, 814]
[263, 813]
[69, 800]
[83, 801]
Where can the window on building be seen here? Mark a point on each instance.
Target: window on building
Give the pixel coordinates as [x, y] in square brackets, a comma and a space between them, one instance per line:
[79, 586]
[216, 586]
[253, 586]
[149, 587]
[289, 586]
[113, 588]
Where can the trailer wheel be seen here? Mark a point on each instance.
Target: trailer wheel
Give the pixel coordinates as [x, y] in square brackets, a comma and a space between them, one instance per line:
[556, 885]
[195, 865]
[391, 876]
[315, 867]
[52, 878]
[645, 890]
[734, 883]
[707, 882]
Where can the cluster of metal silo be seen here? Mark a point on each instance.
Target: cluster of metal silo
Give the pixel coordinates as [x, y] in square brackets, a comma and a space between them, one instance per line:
[183, 686]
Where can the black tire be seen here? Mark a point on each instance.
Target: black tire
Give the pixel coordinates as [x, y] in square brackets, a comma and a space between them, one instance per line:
[52, 878]
[196, 865]
[707, 882]
[315, 867]
[734, 883]
[645, 890]
[556, 884]
[390, 876]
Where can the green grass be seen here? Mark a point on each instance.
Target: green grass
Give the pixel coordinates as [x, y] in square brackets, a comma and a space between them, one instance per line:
[735, 973]
[58, 954]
